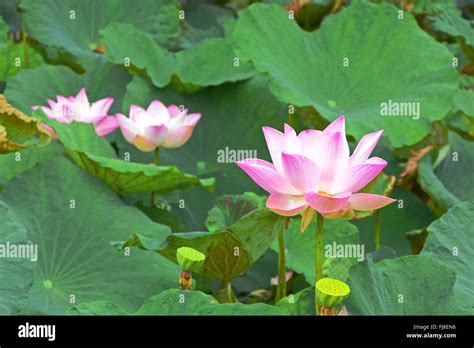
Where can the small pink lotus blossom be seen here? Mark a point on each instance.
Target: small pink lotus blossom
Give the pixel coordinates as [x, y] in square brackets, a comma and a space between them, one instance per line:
[157, 126]
[79, 109]
[314, 169]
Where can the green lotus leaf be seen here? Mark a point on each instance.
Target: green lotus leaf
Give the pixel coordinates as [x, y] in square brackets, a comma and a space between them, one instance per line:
[202, 21]
[124, 44]
[230, 208]
[445, 17]
[229, 252]
[180, 302]
[16, 273]
[13, 60]
[301, 303]
[72, 217]
[409, 285]
[15, 163]
[17, 130]
[209, 62]
[447, 184]
[75, 25]
[308, 69]
[300, 247]
[464, 101]
[450, 243]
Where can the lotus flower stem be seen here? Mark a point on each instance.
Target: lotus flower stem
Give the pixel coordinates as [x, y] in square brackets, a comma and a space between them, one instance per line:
[281, 286]
[377, 229]
[156, 161]
[319, 255]
[25, 45]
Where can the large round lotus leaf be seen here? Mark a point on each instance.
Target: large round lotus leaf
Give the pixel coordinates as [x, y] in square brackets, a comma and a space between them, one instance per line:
[409, 285]
[73, 217]
[449, 183]
[300, 247]
[358, 59]
[178, 302]
[16, 163]
[222, 136]
[126, 45]
[450, 242]
[74, 25]
[229, 252]
[16, 274]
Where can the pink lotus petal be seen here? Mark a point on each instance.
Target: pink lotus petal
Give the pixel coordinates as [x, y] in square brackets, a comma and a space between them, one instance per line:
[105, 125]
[368, 201]
[265, 175]
[338, 125]
[356, 177]
[276, 144]
[156, 134]
[101, 107]
[333, 158]
[51, 102]
[178, 136]
[128, 127]
[81, 97]
[174, 110]
[292, 143]
[192, 119]
[286, 205]
[158, 110]
[364, 148]
[309, 140]
[301, 172]
[135, 110]
[327, 204]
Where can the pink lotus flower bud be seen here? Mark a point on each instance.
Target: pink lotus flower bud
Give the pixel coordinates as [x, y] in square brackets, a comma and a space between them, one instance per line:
[157, 126]
[315, 170]
[79, 109]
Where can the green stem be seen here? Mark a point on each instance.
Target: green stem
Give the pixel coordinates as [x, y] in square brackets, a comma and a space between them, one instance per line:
[281, 287]
[156, 161]
[319, 255]
[230, 295]
[377, 229]
[228, 289]
[25, 45]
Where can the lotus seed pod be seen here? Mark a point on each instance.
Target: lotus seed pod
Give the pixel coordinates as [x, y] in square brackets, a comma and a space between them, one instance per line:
[331, 292]
[190, 259]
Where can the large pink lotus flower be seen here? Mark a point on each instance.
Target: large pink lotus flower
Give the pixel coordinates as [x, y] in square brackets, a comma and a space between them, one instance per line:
[313, 169]
[157, 126]
[79, 109]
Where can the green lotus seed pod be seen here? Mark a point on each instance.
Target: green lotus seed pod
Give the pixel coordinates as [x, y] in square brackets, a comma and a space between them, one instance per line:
[331, 292]
[190, 259]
